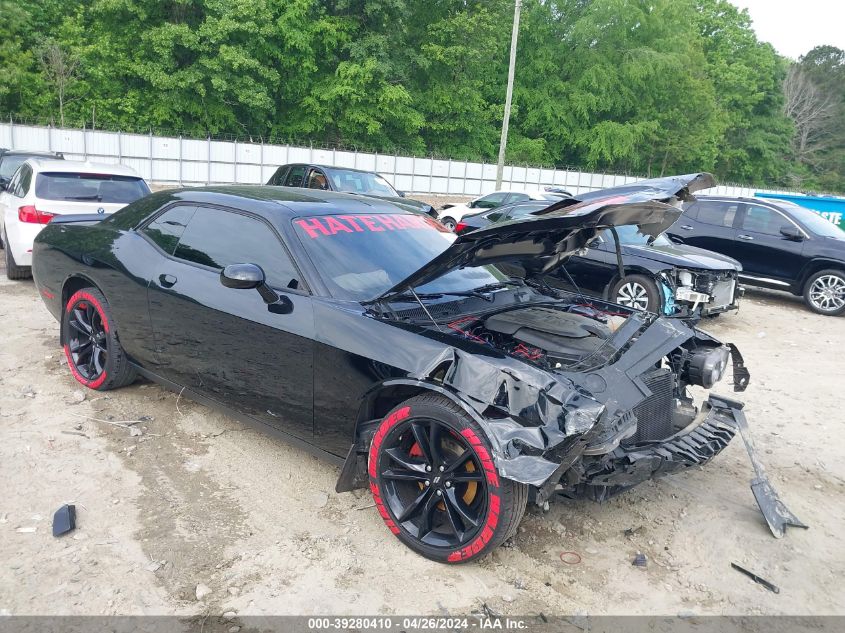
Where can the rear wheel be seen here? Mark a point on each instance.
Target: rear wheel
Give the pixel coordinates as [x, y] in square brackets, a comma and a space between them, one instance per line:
[824, 292]
[13, 271]
[637, 292]
[435, 484]
[91, 346]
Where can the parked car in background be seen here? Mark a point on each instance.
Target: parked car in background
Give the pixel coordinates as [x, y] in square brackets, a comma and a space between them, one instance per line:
[327, 178]
[780, 245]
[42, 188]
[663, 277]
[452, 213]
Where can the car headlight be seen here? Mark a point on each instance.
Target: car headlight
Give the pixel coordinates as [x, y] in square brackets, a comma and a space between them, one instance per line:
[707, 366]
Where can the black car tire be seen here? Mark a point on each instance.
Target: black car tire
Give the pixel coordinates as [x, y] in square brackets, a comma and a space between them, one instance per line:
[435, 485]
[824, 292]
[91, 345]
[633, 289]
[449, 223]
[13, 271]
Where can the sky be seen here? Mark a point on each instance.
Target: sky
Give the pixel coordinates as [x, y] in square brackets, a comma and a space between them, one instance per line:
[794, 27]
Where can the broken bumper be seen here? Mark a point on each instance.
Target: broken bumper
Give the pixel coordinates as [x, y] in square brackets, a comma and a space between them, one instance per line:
[696, 445]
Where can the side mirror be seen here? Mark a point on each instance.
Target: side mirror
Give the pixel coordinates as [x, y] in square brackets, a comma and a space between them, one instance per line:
[242, 276]
[401, 194]
[792, 233]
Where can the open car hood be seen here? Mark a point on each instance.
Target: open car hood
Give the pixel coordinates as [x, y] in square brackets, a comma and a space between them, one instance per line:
[564, 227]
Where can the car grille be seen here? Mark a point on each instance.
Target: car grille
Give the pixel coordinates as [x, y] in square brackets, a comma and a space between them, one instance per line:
[654, 414]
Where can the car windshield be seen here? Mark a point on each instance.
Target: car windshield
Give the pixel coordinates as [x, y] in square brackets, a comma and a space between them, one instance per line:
[629, 234]
[8, 164]
[89, 187]
[362, 256]
[352, 181]
[811, 219]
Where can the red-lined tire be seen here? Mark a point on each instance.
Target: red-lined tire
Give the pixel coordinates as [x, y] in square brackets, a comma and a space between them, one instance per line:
[435, 485]
[91, 345]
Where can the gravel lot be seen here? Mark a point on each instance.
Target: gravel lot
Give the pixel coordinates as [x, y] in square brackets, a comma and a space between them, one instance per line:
[197, 499]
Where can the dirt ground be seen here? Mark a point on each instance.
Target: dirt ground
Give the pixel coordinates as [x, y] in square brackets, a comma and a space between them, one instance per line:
[197, 499]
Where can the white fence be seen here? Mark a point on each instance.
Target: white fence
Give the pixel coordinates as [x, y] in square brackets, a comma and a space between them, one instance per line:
[188, 161]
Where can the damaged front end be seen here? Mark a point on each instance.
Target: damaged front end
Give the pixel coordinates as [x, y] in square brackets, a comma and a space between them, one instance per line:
[619, 410]
[689, 292]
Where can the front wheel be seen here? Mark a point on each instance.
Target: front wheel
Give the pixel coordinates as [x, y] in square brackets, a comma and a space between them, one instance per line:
[824, 292]
[449, 223]
[435, 485]
[637, 292]
[93, 351]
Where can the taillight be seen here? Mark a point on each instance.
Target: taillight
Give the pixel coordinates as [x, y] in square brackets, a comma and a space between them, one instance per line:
[461, 227]
[32, 215]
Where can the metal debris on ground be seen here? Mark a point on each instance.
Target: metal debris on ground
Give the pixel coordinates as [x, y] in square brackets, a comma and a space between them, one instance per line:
[640, 560]
[64, 520]
[760, 581]
[629, 532]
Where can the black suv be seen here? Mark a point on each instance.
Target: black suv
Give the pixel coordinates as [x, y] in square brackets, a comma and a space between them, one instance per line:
[327, 178]
[780, 245]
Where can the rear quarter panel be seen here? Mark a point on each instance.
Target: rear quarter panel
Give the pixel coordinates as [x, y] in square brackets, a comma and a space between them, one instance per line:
[114, 261]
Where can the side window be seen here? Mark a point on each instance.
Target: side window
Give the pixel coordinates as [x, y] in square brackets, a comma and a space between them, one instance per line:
[167, 228]
[317, 180]
[278, 176]
[217, 238]
[296, 176]
[716, 213]
[518, 197]
[492, 200]
[763, 220]
[24, 180]
[12, 187]
[690, 209]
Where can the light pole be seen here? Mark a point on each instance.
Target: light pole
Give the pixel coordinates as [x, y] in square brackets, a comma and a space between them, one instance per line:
[500, 166]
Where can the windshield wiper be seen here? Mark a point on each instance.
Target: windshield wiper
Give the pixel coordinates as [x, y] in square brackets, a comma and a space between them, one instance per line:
[496, 286]
[96, 197]
[408, 296]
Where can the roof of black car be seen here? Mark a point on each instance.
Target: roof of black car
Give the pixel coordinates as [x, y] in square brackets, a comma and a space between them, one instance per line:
[362, 171]
[292, 201]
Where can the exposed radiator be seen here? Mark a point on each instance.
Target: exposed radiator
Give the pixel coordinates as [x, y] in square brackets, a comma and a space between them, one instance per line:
[654, 414]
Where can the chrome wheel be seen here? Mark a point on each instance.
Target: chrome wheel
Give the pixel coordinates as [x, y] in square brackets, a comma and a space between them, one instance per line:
[827, 293]
[449, 223]
[632, 295]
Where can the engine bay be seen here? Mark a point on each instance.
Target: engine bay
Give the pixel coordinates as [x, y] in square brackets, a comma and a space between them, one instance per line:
[553, 337]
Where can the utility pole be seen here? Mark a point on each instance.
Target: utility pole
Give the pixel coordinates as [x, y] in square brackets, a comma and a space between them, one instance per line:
[500, 166]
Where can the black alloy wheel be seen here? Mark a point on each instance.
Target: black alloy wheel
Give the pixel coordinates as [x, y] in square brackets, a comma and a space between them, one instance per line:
[93, 351]
[88, 340]
[435, 484]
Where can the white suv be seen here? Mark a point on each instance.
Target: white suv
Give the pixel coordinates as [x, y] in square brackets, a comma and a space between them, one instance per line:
[42, 188]
[451, 214]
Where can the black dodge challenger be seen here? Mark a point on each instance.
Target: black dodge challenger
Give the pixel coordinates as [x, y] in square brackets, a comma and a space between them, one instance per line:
[376, 337]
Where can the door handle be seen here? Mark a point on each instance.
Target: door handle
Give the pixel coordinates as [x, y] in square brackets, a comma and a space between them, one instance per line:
[167, 280]
[686, 227]
[747, 238]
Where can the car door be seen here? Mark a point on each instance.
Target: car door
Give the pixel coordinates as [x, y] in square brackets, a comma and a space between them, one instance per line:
[591, 272]
[709, 224]
[764, 251]
[228, 344]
